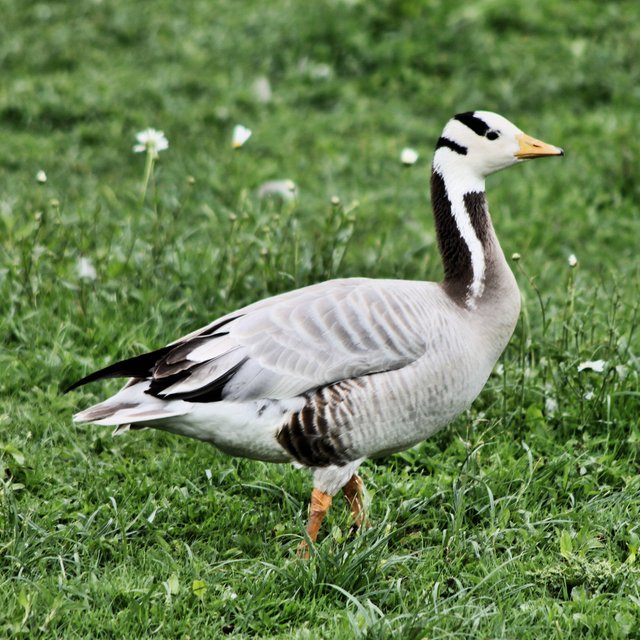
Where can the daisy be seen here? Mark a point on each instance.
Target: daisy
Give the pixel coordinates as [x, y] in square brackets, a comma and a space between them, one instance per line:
[152, 141]
[408, 156]
[85, 269]
[592, 365]
[284, 189]
[240, 136]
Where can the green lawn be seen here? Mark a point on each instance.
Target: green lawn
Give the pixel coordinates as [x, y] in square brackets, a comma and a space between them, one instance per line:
[519, 521]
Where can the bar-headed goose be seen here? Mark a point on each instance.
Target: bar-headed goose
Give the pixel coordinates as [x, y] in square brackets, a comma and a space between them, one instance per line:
[334, 373]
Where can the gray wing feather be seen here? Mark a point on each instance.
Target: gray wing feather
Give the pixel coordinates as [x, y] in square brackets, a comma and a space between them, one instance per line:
[304, 339]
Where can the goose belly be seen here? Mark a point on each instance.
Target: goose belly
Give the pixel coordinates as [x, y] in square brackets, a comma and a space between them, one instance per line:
[396, 410]
[246, 429]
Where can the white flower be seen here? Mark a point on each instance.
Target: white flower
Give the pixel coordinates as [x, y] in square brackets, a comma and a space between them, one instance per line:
[240, 136]
[593, 365]
[408, 156]
[284, 189]
[262, 89]
[152, 141]
[315, 70]
[41, 176]
[572, 260]
[85, 269]
[550, 405]
[622, 371]
[320, 71]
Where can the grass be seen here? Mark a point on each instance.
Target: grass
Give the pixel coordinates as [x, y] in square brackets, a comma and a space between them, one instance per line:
[520, 520]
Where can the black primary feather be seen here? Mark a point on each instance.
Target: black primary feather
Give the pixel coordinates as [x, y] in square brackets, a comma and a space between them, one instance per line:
[211, 392]
[145, 365]
[137, 367]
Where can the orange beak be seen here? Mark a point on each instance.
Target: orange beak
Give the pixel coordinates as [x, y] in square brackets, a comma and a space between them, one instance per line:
[532, 148]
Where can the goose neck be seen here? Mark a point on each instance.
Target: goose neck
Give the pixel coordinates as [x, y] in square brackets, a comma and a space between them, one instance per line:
[465, 234]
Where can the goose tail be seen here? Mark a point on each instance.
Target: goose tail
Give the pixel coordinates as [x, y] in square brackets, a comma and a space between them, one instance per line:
[130, 406]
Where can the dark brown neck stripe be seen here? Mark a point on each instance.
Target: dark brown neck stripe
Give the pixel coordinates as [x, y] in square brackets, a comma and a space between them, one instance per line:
[475, 202]
[456, 256]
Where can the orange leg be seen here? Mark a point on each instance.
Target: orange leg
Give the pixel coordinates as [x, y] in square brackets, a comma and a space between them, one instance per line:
[353, 493]
[320, 503]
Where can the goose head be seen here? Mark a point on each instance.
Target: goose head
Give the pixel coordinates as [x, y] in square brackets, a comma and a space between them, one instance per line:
[472, 146]
[476, 144]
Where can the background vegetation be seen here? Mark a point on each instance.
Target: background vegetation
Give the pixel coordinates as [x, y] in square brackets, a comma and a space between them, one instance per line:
[521, 520]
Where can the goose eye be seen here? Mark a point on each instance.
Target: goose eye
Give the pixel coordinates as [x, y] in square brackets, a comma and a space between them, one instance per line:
[492, 135]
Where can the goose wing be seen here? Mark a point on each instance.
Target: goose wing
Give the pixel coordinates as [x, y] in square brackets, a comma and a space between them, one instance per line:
[288, 344]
